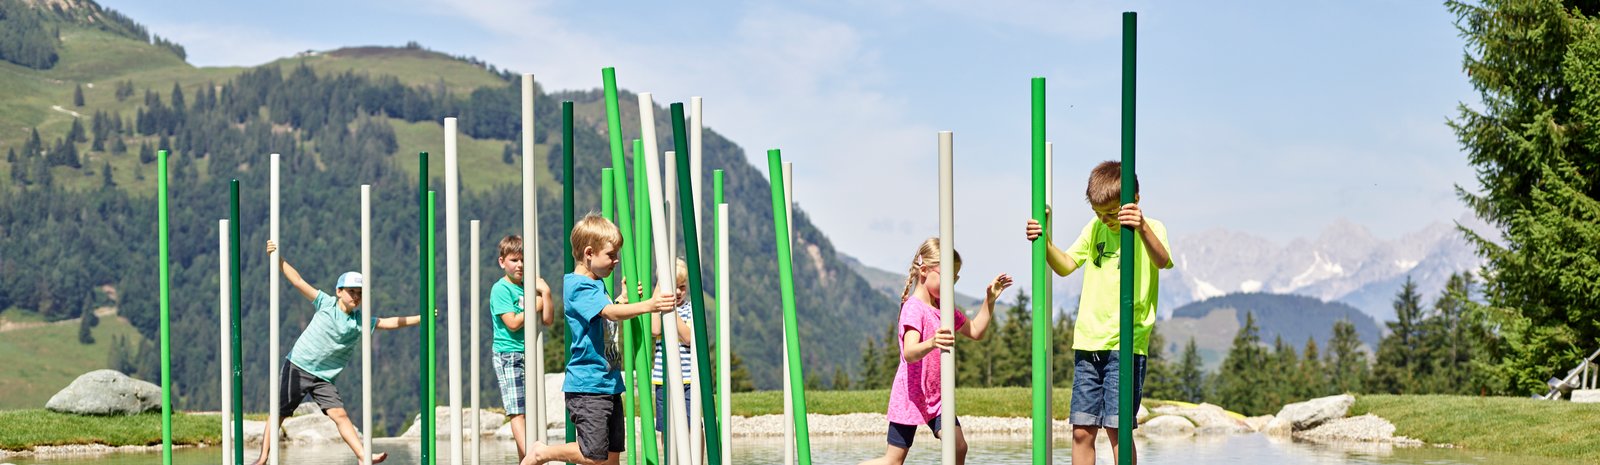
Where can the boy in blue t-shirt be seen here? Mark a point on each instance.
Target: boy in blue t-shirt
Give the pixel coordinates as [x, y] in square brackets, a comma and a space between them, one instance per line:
[594, 367]
[505, 308]
[322, 351]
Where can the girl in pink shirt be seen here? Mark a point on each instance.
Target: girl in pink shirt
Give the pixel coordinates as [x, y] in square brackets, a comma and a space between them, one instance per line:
[915, 398]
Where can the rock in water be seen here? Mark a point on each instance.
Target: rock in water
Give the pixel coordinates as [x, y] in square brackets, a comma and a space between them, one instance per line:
[1301, 416]
[1167, 425]
[106, 392]
[1366, 428]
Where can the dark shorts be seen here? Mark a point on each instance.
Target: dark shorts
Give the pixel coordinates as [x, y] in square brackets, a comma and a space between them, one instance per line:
[295, 384]
[903, 435]
[598, 420]
[661, 405]
[1095, 387]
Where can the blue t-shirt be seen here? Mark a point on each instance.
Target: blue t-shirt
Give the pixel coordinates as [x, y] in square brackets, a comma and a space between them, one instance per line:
[504, 298]
[329, 340]
[594, 365]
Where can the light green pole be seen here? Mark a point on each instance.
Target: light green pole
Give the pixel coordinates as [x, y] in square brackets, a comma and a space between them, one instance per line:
[1126, 407]
[430, 436]
[619, 184]
[1041, 280]
[630, 436]
[691, 248]
[780, 226]
[166, 326]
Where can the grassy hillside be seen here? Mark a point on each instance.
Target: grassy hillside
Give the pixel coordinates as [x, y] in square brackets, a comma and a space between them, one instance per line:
[43, 357]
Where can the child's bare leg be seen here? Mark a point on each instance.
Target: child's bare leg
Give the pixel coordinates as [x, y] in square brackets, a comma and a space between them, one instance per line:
[961, 446]
[893, 456]
[519, 428]
[347, 431]
[1111, 433]
[266, 441]
[1083, 444]
[568, 452]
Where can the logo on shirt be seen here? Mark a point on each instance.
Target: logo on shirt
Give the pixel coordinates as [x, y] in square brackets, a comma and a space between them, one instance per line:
[1102, 254]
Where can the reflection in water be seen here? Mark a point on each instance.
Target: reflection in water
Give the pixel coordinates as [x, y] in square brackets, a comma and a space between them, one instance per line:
[1243, 450]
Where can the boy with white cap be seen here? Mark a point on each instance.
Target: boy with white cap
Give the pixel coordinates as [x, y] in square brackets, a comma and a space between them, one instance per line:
[323, 350]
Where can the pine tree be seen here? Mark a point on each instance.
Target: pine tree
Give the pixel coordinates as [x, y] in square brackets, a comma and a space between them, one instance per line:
[11, 156]
[1347, 364]
[1061, 359]
[106, 180]
[739, 375]
[77, 96]
[1161, 380]
[146, 154]
[841, 380]
[1400, 354]
[1191, 374]
[118, 147]
[1241, 379]
[76, 133]
[1313, 381]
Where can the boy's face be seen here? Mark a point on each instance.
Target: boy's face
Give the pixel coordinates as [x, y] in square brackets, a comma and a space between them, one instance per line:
[1107, 213]
[600, 261]
[683, 292]
[513, 265]
[349, 297]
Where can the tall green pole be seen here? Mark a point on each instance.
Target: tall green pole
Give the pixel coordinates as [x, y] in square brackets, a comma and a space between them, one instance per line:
[630, 433]
[716, 199]
[691, 248]
[645, 352]
[780, 226]
[424, 308]
[1126, 406]
[236, 304]
[166, 327]
[1041, 280]
[619, 184]
[431, 428]
[569, 197]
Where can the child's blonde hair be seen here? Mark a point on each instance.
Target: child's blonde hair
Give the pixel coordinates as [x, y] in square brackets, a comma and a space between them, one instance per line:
[595, 231]
[682, 273]
[1105, 184]
[927, 255]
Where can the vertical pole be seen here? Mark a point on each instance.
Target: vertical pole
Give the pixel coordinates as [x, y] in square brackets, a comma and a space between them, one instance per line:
[697, 389]
[1126, 405]
[235, 310]
[629, 426]
[472, 288]
[532, 330]
[273, 274]
[644, 353]
[678, 431]
[704, 394]
[452, 283]
[166, 302]
[947, 292]
[724, 332]
[625, 224]
[431, 434]
[1047, 294]
[780, 224]
[224, 355]
[568, 197]
[424, 307]
[366, 325]
[789, 418]
[1041, 280]
[696, 157]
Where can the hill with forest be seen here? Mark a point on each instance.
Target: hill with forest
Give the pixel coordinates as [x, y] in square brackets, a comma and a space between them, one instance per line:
[88, 96]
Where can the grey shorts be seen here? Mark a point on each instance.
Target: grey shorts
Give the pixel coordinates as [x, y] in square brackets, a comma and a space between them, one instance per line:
[295, 384]
[598, 419]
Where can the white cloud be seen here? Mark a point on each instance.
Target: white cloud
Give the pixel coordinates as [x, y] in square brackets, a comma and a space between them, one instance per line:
[213, 44]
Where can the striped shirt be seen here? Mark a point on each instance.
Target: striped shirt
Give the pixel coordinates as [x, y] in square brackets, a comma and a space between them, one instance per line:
[685, 355]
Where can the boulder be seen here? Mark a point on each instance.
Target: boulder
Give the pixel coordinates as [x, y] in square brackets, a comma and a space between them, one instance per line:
[1586, 396]
[488, 423]
[1257, 423]
[306, 408]
[106, 392]
[1167, 425]
[253, 431]
[311, 429]
[1301, 416]
[1367, 428]
[1207, 418]
[1143, 414]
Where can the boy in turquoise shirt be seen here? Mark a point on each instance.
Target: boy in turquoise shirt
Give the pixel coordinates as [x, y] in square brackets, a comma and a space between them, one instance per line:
[1097, 332]
[505, 308]
[593, 383]
[322, 351]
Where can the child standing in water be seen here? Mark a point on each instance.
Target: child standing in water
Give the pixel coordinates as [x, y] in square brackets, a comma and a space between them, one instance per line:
[915, 399]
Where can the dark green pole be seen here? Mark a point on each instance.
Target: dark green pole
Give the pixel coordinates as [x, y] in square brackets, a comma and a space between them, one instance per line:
[780, 226]
[1126, 407]
[568, 184]
[1041, 280]
[166, 326]
[235, 304]
[423, 308]
[697, 306]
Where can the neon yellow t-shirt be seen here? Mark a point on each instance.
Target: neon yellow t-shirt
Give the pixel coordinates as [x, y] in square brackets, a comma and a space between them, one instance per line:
[1097, 253]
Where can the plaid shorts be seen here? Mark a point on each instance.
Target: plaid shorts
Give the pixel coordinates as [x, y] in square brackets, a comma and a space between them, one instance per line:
[508, 366]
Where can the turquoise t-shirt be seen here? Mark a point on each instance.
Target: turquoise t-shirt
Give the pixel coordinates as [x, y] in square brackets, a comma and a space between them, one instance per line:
[1098, 253]
[329, 340]
[505, 298]
[594, 365]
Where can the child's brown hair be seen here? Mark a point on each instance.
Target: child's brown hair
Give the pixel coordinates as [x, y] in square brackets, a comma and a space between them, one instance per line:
[927, 255]
[1105, 184]
[511, 245]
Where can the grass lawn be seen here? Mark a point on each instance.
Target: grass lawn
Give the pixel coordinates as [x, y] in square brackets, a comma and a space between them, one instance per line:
[46, 428]
[54, 357]
[1500, 424]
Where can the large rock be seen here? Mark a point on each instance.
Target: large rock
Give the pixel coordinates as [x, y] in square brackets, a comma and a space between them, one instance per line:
[488, 423]
[1301, 416]
[252, 432]
[1586, 396]
[310, 429]
[1167, 425]
[106, 392]
[1207, 418]
[1367, 428]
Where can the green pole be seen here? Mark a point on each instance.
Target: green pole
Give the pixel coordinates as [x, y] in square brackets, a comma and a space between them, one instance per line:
[630, 434]
[780, 226]
[619, 184]
[569, 197]
[1041, 280]
[430, 434]
[697, 306]
[423, 308]
[645, 352]
[1126, 407]
[236, 304]
[166, 326]
[716, 199]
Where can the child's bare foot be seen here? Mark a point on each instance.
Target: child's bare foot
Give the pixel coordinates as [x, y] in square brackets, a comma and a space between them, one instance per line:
[380, 457]
[535, 453]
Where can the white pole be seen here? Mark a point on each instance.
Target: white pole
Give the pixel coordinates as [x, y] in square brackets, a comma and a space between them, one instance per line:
[724, 335]
[693, 405]
[472, 289]
[274, 270]
[788, 391]
[697, 408]
[696, 156]
[366, 326]
[947, 293]
[452, 266]
[665, 279]
[669, 203]
[225, 350]
[534, 416]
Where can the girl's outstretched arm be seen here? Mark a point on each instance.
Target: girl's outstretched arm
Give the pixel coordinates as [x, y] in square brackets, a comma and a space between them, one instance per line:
[980, 324]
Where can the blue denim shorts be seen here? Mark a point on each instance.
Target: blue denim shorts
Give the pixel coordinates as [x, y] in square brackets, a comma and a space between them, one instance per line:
[1094, 387]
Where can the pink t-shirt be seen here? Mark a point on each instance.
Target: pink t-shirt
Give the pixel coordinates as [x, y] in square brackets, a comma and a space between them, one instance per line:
[914, 399]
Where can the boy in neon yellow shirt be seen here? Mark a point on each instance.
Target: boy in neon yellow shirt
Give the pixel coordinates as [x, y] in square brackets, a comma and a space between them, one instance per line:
[1097, 331]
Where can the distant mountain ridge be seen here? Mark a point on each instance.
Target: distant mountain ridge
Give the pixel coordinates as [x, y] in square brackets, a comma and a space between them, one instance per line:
[1215, 321]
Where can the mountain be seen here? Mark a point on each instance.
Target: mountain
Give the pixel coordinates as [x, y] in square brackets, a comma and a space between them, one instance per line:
[77, 208]
[1215, 321]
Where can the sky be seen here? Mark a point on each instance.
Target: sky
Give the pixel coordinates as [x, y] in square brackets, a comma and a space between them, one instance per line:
[1269, 117]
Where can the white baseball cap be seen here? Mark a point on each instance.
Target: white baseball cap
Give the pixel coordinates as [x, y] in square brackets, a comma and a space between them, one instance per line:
[350, 279]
